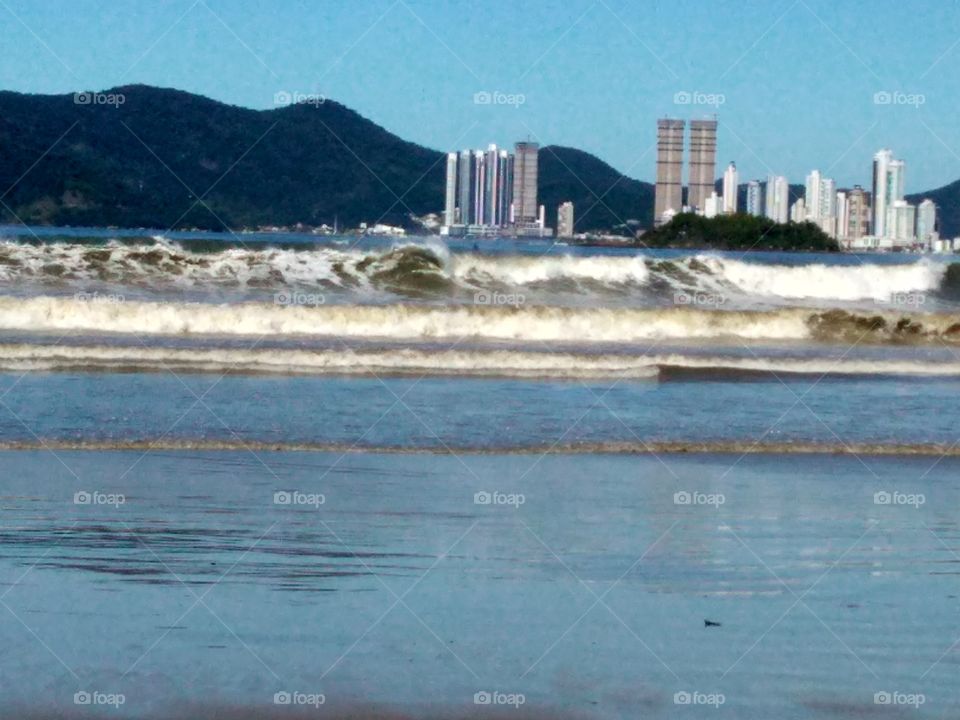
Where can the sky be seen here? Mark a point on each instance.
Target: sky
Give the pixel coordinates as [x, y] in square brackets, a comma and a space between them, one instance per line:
[795, 84]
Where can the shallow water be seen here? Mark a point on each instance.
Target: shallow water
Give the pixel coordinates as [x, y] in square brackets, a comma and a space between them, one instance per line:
[589, 597]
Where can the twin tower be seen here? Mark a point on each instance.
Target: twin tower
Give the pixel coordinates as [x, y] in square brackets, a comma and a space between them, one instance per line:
[703, 167]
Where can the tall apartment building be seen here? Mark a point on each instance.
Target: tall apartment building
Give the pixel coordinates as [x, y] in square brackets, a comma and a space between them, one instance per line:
[668, 196]
[778, 199]
[860, 213]
[565, 220]
[888, 188]
[731, 188]
[703, 162]
[450, 198]
[755, 198]
[525, 169]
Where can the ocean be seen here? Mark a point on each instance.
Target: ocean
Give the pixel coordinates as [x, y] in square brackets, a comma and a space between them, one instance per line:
[278, 475]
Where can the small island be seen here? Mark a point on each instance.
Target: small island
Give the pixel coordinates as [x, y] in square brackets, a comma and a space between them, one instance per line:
[737, 232]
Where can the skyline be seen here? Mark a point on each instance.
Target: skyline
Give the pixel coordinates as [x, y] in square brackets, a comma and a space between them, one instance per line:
[796, 84]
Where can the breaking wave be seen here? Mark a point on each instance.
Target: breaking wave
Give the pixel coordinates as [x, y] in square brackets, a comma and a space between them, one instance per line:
[418, 269]
[461, 363]
[417, 322]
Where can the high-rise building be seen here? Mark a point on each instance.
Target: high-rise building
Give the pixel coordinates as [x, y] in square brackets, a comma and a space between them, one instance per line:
[479, 187]
[450, 200]
[491, 161]
[901, 222]
[703, 162]
[565, 220]
[888, 188]
[926, 222]
[525, 166]
[731, 188]
[843, 214]
[505, 184]
[754, 198]
[778, 198]
[668, 196]
[466, 189]
[860, 214]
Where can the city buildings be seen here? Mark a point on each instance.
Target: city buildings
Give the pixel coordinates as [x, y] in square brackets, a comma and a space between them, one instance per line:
[493, 192]
[731, 185]
[703, 163]
[668, 195]
[565, 220]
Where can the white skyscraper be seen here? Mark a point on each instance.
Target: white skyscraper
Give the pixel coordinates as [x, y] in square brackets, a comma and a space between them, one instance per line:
[754, 198]
[450, 204]
[731, 181]
[926, 222]
[888, 188]
[813, 191]
[778, 198]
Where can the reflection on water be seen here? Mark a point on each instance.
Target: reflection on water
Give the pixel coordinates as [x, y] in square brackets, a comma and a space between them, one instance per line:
[582, 583]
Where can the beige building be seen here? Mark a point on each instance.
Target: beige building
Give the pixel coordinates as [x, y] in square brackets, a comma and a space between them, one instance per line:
[703, 162]
[668, 197]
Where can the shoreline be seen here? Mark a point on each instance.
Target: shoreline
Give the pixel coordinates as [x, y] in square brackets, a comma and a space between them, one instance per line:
[652, 448]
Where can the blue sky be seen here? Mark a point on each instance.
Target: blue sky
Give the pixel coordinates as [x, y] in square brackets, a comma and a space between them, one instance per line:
[798, 79]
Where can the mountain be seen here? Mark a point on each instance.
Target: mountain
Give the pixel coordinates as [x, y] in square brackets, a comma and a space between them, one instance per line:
[165, 158]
